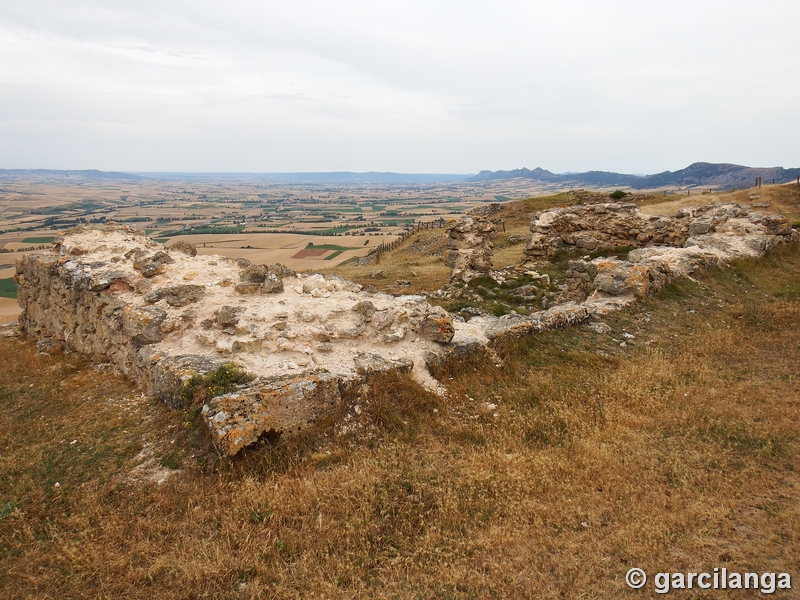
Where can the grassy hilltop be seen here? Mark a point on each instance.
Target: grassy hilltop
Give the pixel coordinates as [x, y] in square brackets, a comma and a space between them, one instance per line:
[553, 466]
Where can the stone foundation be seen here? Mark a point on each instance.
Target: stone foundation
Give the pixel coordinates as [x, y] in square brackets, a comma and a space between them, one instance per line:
[163, 316]
[665, 248]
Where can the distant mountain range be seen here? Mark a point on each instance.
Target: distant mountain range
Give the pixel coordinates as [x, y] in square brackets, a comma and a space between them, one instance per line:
[697, 174]
[341, 177]
[90, 174]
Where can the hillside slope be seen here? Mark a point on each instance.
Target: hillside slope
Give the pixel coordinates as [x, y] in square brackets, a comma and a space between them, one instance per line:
[551, 468]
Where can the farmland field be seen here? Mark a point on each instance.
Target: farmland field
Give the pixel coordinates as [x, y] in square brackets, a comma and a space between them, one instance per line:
[259, 220]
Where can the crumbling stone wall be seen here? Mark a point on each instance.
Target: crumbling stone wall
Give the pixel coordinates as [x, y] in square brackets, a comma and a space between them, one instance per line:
[666, 248]
[470, 249]
[612, 225]
[163, 315]
[594, 226]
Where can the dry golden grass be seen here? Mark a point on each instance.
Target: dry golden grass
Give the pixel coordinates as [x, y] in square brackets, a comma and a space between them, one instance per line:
[678, 452]
[418, 259]
[782, 199]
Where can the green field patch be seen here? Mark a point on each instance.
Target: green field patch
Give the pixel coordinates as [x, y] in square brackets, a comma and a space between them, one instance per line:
[45, 239]
[160, 240]
[136, 219]
[349, 261]
[202, 231]
[329, 231]
[8, 288]
[331, 247]
[390, 222]
[502, 198]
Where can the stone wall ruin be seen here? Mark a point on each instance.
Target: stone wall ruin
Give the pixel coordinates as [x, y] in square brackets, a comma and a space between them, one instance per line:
[164, 315]
[664, 248]
[470, 247]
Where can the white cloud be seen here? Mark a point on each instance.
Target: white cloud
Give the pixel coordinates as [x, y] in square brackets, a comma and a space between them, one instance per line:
[404, 86]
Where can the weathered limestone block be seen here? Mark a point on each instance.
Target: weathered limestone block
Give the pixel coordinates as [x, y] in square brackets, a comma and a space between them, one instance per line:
[618, 277]
[247, 288]
[272, 284]
[150, 265]
[176, 295]
[370, 364]
[253, 274]
[437, 327]
[143, 324]
[280, 271]
[280, 405]
[483, 328]
[470, 251]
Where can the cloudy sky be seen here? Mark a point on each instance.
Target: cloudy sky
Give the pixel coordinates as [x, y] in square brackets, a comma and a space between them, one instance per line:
[436, 86]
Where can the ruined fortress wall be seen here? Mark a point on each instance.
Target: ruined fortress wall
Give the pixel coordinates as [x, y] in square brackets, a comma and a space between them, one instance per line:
[470, 248]
[68, 304]
[664, 248]
[162, 316]
[611, 225]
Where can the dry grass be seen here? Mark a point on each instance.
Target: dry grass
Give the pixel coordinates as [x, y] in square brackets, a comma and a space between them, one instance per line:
[419, 259]
[677, 452]
[782, 199]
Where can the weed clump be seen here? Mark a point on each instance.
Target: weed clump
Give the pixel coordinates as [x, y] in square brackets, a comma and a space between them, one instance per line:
[8, 509]
[617, 194]
[201, 388]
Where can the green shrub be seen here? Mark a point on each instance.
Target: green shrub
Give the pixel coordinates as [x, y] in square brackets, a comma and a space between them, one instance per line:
[618, 194]
[498, 310]
[226, 378]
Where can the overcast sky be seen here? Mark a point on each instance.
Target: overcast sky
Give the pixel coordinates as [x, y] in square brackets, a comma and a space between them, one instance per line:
[434, 86]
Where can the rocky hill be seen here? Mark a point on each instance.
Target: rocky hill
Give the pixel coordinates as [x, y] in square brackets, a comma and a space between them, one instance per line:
[720, 175]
